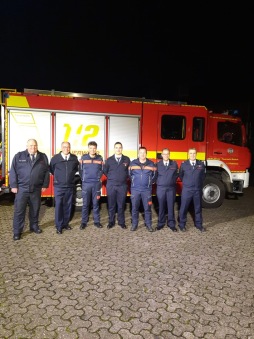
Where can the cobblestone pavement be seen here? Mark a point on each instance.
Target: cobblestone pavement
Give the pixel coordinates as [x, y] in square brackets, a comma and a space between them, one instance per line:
[100, 283]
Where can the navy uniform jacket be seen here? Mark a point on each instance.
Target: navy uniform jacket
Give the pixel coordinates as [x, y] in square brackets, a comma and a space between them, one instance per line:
[28, 177]
[192, 178]
[166, 176]
[142, 175]
[117, 174]
[64, 171]
[90, 169]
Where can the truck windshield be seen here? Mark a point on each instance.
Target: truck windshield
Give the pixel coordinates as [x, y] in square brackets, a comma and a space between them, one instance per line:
[230, 133]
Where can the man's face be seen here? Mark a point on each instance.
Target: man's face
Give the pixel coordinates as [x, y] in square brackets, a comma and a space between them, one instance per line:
[66, 148]
[32, 147]
[118, 149]
[92, 150]
[142, 155]
[192, 154]
[165, 155]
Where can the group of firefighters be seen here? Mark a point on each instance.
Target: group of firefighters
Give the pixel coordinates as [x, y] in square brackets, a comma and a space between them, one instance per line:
[30, 175]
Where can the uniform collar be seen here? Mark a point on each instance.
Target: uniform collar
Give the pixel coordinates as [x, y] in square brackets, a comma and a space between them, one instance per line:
[64, 156]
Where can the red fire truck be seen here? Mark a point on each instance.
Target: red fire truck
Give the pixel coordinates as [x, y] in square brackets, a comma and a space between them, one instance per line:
[51, 117]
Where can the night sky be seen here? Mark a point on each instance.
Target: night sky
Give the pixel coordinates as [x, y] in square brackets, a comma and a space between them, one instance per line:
[201, 53]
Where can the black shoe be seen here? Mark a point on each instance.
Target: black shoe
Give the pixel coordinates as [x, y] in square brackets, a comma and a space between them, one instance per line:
[202, 229]
[16, 237]
[67, 227]
[123, 226]
[82, 226]
[37, 230]
[182, 229]
[158, 228]
[98, 225]
[110, 225]
[59, 231]
[134, 228]
[173, 229]
[150, 229]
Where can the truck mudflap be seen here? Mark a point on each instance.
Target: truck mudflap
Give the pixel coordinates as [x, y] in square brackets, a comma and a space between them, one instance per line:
[238, 186]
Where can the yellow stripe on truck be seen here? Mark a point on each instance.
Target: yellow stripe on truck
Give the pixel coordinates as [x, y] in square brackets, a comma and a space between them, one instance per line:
[184, 155]
[14, 101]
[151, 154]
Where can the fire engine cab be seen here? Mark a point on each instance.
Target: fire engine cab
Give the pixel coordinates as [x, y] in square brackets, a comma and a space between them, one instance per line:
[51, 117]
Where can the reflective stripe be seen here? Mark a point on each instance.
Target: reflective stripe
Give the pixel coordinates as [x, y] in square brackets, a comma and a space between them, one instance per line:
[91, 162]
[143, 168]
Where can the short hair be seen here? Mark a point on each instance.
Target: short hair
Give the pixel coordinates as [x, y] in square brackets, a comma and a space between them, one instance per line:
[118, 143]
[65, 142]
[192, 149]
[35, 141]
[165, 149]
[92, 143]
[142, 147]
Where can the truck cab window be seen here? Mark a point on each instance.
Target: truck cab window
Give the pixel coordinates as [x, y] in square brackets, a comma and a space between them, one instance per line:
[198, 129]
[173, 127]
[230, 133]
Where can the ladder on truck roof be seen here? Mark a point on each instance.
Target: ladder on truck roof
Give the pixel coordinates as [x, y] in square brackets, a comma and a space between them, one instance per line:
[97, 96]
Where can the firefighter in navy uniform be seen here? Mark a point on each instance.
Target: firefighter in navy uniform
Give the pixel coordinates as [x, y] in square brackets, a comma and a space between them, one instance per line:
[91, 170]
[64, 166]
[143, 173]
[116, 170]
[192, 174]
[167, 173]
[29, 176]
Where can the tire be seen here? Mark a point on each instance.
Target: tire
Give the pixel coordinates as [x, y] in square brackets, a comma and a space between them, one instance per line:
[77, 199]
[213, 193]
[49, 202]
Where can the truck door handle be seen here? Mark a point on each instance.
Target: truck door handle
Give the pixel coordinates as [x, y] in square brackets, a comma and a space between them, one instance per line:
[218, 152]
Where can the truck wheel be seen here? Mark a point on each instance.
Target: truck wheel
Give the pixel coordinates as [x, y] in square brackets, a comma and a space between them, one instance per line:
[213, 193]
[49, 202]
[78, 201]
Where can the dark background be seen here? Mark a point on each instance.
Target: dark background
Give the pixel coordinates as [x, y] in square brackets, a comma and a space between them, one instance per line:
[198, 52]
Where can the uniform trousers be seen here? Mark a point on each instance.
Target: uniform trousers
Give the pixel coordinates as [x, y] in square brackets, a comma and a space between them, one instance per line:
[91, 192]
[63, 206]
[136, 197]
[166, 200]
[116, 195]
[187, 196]
[22, 199]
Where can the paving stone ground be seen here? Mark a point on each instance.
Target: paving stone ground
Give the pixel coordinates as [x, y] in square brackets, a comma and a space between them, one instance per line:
[100, 283]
